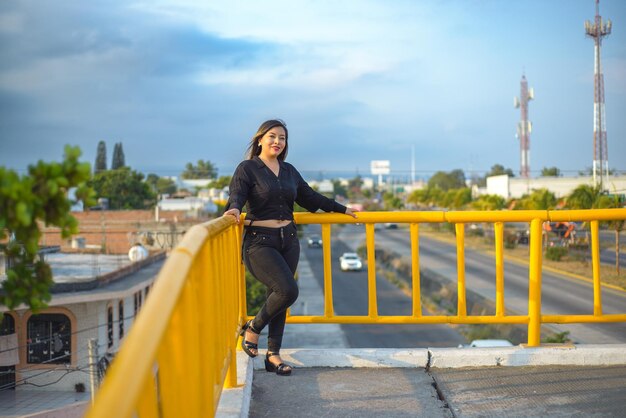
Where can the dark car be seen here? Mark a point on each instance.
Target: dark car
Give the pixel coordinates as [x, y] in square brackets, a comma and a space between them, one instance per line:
[315, 241]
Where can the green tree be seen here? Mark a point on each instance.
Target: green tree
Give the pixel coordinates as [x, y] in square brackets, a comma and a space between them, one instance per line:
[498, 170]
[166, 186]
[101, 157]
[119, 160]
[161, 185]
[462, 197]
[610, 202]
[220, 183]
[204, 170]
[455, 179]
[550, 172]
[488, 202]
[41, 195]
[591, 197]
[354, 188]
[124, 188]
[339, 189]
[584, 197]
[538, 199]
[391, 202]
[151, 180]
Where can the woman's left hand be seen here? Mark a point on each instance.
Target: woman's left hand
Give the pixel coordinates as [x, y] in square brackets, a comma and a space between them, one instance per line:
[351, 212]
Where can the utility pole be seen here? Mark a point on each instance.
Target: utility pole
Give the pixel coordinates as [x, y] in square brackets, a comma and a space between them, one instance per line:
[93, 374]
[598, 30]
[524, 126]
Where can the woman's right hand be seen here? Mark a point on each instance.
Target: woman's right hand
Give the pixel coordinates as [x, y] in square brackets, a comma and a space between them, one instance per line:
[233, 212]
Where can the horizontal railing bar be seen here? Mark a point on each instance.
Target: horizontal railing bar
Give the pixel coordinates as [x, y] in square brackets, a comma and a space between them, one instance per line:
[462, 216]
[572, 319]
[435, 319]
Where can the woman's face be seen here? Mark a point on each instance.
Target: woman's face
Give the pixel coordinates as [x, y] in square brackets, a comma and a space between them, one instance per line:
[273, 142]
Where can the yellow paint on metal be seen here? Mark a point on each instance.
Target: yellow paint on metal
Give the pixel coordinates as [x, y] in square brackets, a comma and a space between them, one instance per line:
[372, 300]
[595, 265]
[499, 240]
[328, 272]
[460, 267]
[534, 287]
[416, 291]
[168, 333]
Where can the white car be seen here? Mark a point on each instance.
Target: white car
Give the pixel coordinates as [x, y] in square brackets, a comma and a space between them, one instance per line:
[350, 261]
[488, 343]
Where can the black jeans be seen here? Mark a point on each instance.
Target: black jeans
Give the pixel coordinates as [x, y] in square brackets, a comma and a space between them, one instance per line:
[271, 255]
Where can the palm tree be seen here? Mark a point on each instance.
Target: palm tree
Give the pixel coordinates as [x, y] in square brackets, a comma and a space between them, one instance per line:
[607, 202]
[590, 197]
[584, 197]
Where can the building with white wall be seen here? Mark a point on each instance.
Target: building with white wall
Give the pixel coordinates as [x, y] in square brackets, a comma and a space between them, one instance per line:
[513, 187]
[94, 296]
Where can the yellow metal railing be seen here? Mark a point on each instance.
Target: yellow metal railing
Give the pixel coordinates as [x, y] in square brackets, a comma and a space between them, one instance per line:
[533, 319]
[180, 353]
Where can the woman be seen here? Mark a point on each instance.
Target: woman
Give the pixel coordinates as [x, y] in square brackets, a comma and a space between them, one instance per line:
[271, 249]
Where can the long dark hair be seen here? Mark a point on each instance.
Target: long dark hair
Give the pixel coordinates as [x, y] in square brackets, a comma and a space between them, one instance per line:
[254, 149]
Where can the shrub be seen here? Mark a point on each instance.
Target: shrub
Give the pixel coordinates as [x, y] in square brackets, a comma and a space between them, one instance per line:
[556, 253]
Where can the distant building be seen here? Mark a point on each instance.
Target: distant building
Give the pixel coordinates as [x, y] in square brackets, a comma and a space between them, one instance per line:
[188, 204]
[94, 296]
[513, 187]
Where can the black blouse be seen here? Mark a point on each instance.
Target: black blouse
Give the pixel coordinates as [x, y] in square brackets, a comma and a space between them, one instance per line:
[271, 197]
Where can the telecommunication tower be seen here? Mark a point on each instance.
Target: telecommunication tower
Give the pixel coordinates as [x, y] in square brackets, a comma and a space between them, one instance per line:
[598, 30]
[524, 127]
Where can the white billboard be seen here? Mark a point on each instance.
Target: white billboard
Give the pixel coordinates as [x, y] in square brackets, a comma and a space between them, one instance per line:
[380, 167]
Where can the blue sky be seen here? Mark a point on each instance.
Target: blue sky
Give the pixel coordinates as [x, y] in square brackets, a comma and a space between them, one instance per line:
[177, 81]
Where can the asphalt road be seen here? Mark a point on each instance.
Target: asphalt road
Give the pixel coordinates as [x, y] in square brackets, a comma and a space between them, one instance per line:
[351, 298]
[560, 294]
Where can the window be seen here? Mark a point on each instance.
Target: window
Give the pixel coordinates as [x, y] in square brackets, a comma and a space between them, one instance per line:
[110, 326]
[120, 312]
[49, 339]
[137, 302]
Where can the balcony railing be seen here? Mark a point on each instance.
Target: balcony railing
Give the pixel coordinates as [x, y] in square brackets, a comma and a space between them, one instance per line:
[180, 353]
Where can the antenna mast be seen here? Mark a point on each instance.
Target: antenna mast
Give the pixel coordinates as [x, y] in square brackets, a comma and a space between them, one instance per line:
[598, 30]
[524, 127]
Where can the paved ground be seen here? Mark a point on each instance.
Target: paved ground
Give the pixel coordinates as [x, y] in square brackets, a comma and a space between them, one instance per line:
[542, 391]
[346, 392]
[531, 391]
[397, 383]
[23, 403]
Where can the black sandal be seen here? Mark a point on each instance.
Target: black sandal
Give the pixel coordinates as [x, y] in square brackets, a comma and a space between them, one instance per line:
[281, 369]
[247, 345]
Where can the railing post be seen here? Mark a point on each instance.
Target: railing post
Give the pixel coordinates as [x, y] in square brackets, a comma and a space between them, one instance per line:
[460, 265]
[534, 286]
[499, 235]
[595, 263]
[415, 271]
[371, 271]
[328, 272]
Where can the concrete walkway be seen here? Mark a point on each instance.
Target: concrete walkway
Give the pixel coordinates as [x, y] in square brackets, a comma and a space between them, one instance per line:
[331, 380]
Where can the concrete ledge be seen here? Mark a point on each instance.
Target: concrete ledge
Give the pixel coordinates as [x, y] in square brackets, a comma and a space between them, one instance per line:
[563, 355]
[355, 357]
[235, 402]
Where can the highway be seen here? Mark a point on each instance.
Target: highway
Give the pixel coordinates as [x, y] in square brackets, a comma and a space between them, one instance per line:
[560, 294]
[350, 298]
